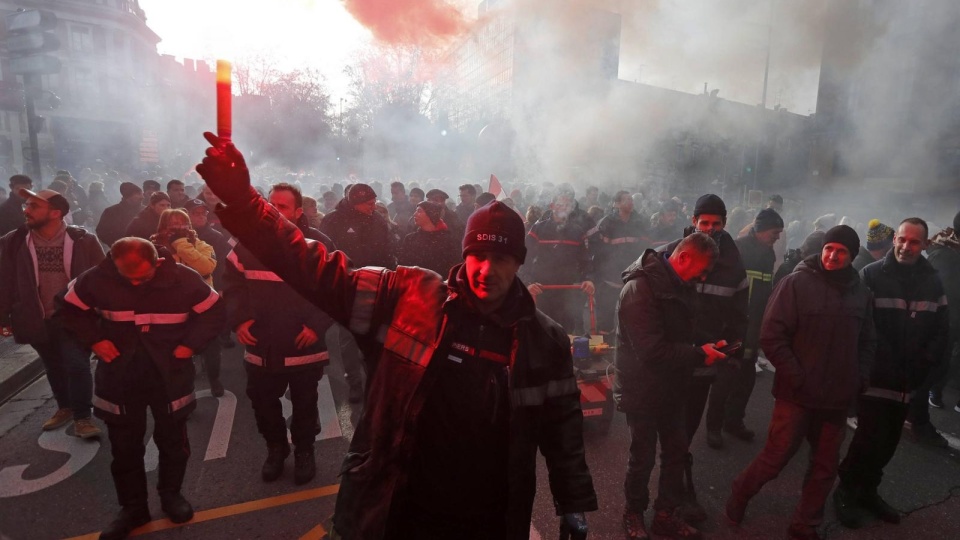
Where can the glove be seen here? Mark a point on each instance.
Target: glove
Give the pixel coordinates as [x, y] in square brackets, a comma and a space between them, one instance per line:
[573, 526]
[225, 172]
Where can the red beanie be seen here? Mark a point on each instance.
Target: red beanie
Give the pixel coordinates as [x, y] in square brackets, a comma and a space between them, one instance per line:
[496, 227]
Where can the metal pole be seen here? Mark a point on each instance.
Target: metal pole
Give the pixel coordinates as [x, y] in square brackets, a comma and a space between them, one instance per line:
[763, 99]
[29, 86]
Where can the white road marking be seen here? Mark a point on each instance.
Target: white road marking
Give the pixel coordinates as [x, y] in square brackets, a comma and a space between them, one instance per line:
[953, 441]
[329, 420]
[534, 534]
[219, 435]
[81, 453]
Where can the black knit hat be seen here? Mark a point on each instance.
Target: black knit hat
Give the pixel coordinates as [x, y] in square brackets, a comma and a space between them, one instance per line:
[710, 204]
[843, 234]
[360, 193]
[433, 210]
[129, 189]
[767, 219]
[495, 227]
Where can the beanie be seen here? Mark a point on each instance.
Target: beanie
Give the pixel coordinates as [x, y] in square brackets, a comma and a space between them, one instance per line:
[710, 204]
[129, 189]
[956, 222]
[843, 234]
[812, 244]
[767, 219]
[495, 227]
[158, 196]
[879, 236]
[360, 193]
[433, 210]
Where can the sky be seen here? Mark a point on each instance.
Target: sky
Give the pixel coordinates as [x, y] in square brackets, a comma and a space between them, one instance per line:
[315, 33]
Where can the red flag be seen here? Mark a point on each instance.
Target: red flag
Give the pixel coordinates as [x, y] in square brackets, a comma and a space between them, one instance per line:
[495, 186]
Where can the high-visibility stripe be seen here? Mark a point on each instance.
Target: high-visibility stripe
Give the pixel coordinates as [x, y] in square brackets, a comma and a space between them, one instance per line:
[407, 347]
[536, 395]
[559, 242]
[290, 360]
[924, 305]
[207, 303]
[235, 260]
[622, 240]
[117, 316]
[262, 275]
[73, 298]
[717, 290]
[756, 274]
[593, 231]
[890, 303]
[486, 355]
[144, 318]
[903, 397]
[180, 403]
[365, 298]
[105, 405]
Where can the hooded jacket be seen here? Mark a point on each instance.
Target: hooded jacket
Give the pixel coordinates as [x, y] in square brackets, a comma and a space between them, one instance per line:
[913, 325]
[115, 220]
[20, 305]
[365, 239]
[144, 225]
[655, 355]
[403, 321]
[174, 308]
[820, 337]
[434, 250]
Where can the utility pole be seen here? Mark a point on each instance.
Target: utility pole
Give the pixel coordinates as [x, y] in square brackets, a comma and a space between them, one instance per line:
[763, 99]
[31, 86]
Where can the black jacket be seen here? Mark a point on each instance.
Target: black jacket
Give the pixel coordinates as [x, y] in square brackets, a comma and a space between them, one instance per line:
[946, 260]
[115, 220]
[820, 337]
[437, 250]
[758, 261]
[20, 304]
[913, 324]
[402, 321]
[723, 296]
[617, 244]
[655, 355]
[556, 254]
[252, 291]
[863, 258]
[144, 225]
[11, 214]
[365, 239]
[174, 308]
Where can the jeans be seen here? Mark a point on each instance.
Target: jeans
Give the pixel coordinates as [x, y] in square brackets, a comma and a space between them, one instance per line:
[824, 430]
[879, 425]
[666, 423]
[731, 393]
[68, 370]
[265, 388]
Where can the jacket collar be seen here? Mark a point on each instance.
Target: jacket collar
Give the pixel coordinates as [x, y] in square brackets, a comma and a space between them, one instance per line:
[518, 306]
[891, 265]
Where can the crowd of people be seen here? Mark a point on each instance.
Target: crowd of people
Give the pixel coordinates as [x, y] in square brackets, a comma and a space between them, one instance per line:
[455, 318]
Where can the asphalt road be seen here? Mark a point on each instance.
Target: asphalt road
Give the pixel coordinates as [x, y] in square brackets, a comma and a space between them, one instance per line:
[57, 486]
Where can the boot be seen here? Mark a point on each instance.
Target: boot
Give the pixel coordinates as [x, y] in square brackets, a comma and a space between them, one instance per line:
[356, 392]
[846, 500]
[126, 521]
[273, 466]
[633, 526]
[714, 439]
[669, 525]
[216, 388]
[740, 431]
[176, 507]
[690, 509]
[873, 503]
[304, 466]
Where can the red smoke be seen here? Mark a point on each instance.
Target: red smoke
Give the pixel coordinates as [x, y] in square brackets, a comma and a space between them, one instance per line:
[408, 22]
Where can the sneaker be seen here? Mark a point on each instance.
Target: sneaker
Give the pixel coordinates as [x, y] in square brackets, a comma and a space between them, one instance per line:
[216, 388]
[633, 526]
[875, 504]
[852, 422]
[740, 431]
[85, 428]
[669, 525]
[304, 466]
[927, 435]
[126, 521]
[956, 407]
[802, 532]
[849, 512]
[59, 419]
[715, 439]
[176, 507]
[273, 465]
[935, 400]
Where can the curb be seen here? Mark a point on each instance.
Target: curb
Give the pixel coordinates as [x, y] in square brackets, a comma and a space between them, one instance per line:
[29, 372]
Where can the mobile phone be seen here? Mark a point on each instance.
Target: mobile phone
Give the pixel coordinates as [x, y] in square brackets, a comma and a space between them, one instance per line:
[731, 348]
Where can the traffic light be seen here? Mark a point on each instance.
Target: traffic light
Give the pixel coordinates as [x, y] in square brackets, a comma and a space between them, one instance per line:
[28, 39]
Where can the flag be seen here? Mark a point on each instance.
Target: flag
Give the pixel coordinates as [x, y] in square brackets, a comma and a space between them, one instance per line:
[495, 186]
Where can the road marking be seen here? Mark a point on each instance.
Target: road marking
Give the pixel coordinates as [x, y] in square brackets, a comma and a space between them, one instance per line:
[219, 435]
[316, 533]
[329, 419]
[82, 452]
[230, 511]
[953, 441]
[534, 533]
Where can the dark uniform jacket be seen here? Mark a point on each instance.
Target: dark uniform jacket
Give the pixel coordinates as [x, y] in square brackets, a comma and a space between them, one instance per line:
[913, 325]
[863, 258]
[946, 260]
[11, 214]
[115, 220]
[556, 254]
[144, 225]
[252, 291]
[20, 304]
[758, 261]
[820, 337]
[616, 245]
[435, 250]
[722, 299]
[174, 308]
[402, 321]
[365, 239]
[655, 355]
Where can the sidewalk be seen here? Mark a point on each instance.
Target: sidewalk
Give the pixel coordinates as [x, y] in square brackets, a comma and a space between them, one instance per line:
[19, 366]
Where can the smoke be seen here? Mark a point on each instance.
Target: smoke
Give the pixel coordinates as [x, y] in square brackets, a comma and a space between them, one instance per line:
[409, 22]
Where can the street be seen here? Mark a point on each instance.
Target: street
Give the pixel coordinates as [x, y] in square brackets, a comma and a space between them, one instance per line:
[54, 485]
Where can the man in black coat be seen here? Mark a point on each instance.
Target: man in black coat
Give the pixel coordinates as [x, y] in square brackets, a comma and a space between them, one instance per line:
[400, 207]
[145, 224]
[433, 245]
[615, 244]
[655, 362]
[115, 219]
[944, 255]
[11, 211]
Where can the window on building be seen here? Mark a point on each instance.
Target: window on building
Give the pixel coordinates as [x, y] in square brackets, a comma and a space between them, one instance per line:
[81, 38]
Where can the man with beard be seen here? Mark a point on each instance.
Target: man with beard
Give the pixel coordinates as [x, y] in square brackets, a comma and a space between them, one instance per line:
[37, 261]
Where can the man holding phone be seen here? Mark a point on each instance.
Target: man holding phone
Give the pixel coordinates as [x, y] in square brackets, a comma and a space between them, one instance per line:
[656, 357]
[818, 332]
